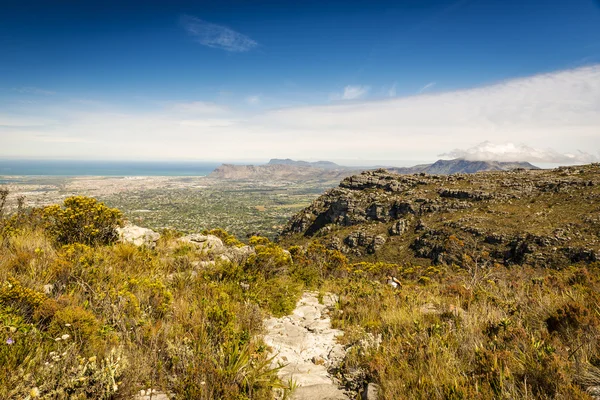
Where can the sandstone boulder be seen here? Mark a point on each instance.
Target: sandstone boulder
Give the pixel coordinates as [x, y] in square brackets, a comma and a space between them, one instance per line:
[137, 235]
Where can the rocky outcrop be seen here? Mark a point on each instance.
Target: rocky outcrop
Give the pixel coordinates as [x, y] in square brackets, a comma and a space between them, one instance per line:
[371, 243]
[533, 217]
[137, 235]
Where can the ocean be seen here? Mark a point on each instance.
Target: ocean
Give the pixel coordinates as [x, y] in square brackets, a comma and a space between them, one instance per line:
[105, 168]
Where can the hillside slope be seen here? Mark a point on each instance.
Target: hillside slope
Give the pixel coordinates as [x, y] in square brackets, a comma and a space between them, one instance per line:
[534, 217]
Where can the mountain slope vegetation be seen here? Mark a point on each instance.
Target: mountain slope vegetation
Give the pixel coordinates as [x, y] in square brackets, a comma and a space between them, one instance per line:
[476, 316]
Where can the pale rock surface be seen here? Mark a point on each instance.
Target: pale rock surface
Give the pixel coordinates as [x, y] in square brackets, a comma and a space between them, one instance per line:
[306, 344]
[151, 394]
[371, 392]
[137, 235]
[205, 242]
[214, 246]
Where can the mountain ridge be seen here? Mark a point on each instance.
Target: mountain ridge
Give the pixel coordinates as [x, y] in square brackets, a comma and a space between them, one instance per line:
[532, 217]
[288, 169]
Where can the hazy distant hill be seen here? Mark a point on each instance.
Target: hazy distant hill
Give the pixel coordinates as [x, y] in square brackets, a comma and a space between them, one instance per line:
[460, 166]
[300, 163]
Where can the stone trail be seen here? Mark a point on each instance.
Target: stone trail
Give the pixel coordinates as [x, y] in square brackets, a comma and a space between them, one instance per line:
[306, 344]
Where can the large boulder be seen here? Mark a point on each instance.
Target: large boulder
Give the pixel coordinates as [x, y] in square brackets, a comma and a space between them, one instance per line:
[137, 235]
[207, 243]
[214, 246]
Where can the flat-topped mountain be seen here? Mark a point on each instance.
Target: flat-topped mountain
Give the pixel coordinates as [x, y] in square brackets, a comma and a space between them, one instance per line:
[300, 163]
[461, 166]
[276, 172]
[535, 217]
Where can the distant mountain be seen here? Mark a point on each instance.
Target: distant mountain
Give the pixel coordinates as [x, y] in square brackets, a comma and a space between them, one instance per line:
[278, 172]
[461, 166]
[291, 170]
[299, 163]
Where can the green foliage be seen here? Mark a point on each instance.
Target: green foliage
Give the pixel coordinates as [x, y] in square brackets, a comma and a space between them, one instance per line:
[506, 344]
[188, 332]
[228, 240]
[82, 220]
[269, 259]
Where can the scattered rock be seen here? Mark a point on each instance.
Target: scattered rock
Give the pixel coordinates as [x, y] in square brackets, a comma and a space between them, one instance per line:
[213, 245]
[137, 235]
[151, 394]
[399, 227]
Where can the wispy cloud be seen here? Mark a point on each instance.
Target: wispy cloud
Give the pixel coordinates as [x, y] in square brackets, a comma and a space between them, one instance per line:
[199, 107]
[253, 100]
[488, 151]
[217, 36]
[34, 90]
[392, 90]
[351, 92]
[426, 87]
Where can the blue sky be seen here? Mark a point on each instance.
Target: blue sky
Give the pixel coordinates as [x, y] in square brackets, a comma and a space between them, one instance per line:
[230, 69]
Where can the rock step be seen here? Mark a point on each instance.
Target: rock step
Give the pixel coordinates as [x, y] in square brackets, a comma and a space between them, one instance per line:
[323, 392]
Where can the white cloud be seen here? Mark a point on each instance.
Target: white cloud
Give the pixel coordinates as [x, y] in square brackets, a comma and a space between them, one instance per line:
[351, 92]
[355, 92]
[217, 36]
[207, 123]
[253, 100]
[559, 110]
[488, 151]
[199, 107]
[426, 87]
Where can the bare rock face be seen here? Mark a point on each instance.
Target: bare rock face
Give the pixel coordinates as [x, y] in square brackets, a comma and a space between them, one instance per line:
[399, 227]
[371, 243]
[138, 236]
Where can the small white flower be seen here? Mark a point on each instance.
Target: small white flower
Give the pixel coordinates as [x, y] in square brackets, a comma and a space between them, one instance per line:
[67, 325]
[57, 339]
[65, 336]
[35, 392]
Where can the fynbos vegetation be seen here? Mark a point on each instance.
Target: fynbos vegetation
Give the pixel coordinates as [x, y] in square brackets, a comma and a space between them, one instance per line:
[448, 315]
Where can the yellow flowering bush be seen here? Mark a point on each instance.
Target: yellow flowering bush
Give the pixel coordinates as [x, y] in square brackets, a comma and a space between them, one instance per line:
[82, 220]
[14, 294]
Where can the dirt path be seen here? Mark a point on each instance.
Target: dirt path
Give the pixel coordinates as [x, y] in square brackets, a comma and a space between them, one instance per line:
[305, 342]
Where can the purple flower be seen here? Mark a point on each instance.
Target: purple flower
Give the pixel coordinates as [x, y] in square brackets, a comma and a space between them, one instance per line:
[9, 341]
